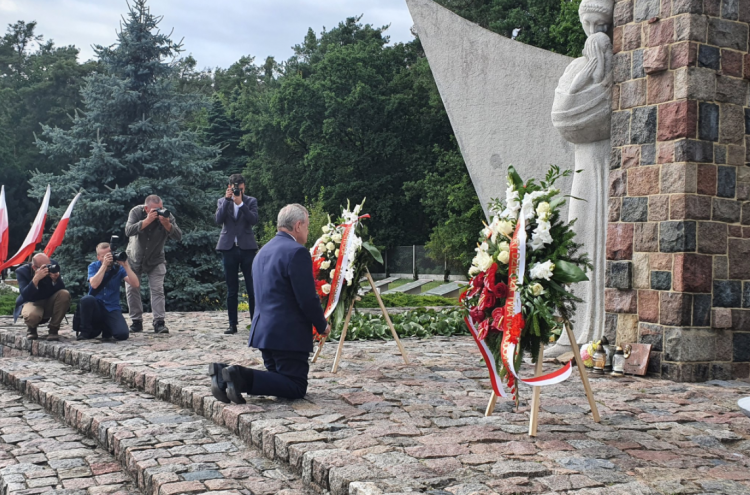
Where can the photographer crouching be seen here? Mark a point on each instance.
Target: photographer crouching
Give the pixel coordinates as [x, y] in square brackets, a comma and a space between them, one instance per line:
[100, 310]
[43, 296]
[149, 226]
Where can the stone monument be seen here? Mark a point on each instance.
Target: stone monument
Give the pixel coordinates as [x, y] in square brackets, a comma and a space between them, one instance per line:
[582, 112]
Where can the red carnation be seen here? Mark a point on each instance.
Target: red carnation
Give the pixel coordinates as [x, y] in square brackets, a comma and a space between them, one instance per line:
[477, 315]
[500, 290]
[516, 325]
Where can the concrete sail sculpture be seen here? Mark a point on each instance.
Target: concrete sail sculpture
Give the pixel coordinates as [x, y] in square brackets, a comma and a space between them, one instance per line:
[500, 94]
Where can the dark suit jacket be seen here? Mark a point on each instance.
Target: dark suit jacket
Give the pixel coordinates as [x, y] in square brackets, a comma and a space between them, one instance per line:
[286, 303]
[240, 227]
[31, 293]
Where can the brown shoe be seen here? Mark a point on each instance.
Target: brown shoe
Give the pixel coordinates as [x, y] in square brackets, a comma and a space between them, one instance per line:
[53, 334]
[31, 333]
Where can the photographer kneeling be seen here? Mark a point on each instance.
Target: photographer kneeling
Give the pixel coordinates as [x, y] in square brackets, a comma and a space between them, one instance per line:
[149, 226]
[43, 296]
[100, 310]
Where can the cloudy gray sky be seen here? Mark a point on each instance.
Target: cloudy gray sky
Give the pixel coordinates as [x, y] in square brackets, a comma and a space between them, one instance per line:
[216, 32]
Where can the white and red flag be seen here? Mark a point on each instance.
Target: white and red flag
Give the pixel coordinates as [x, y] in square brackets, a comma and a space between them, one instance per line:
[59, 234]
[34, 236]
[3, 227]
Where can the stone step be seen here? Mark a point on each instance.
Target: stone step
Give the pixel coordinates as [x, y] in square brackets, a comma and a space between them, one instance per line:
[310, 441]
[39, 454]
[165, 448]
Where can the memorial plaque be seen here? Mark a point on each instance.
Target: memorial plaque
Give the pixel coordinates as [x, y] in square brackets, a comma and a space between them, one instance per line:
[637, 362]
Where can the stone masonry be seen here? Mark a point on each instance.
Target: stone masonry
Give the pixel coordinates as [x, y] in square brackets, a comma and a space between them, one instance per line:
[678, 240]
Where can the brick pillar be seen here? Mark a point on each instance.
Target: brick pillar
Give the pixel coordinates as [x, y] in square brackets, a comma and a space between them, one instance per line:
[678, 240]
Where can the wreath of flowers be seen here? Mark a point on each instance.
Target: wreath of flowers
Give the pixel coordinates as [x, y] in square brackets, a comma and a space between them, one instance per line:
[340, 259]
[552, 255]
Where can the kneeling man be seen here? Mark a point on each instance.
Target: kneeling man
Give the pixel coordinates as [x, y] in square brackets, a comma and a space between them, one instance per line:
[286, 308]
[100, 309]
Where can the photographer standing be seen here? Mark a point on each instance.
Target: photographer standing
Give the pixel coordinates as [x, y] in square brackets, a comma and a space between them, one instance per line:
[237, 213]
[149, 226]
[43, 296]
[100, 310]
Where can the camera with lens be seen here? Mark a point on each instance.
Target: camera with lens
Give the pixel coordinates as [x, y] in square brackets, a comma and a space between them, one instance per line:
[114, 242]
[52, 268]
[163, 212]
[236, 190]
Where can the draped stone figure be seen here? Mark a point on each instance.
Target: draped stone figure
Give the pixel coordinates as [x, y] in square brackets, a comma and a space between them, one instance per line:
[581, 112]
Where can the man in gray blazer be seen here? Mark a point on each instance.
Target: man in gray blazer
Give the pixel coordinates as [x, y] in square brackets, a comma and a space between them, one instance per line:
[237, 213]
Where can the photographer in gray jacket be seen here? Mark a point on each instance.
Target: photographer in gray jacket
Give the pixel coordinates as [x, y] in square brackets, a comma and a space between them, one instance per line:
[149, 226]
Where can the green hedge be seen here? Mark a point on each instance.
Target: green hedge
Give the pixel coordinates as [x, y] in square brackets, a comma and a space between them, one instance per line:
[405, 301]
[7, 302]
[421, 323]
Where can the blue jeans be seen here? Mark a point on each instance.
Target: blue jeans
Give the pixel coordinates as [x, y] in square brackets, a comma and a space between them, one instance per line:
[95, 320]
[234, 260]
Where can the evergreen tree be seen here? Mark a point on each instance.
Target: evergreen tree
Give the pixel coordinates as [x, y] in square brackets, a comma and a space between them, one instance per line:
[225, 131]
[132, 140]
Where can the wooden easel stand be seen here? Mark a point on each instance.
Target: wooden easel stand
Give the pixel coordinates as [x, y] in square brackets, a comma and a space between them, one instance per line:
[340, 347]
[535, 398]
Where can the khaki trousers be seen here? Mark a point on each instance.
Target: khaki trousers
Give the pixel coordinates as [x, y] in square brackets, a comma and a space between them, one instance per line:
[155, 285]
[53, 308]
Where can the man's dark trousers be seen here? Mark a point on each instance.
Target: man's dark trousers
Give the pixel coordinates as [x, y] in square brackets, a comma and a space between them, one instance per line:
[234, 260]
[286, 376]
[95, 320]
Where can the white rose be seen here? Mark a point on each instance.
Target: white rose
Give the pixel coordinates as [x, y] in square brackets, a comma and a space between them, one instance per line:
[504, 246]
[325, 238]
[336, 238]
[330, 246]
[330, 275]
[326, 289]
[542, 270]
[537, 289]
[326, 228]
[483, 261]
[337, 253]
[325, 265]
[503, 257]
[505, 227]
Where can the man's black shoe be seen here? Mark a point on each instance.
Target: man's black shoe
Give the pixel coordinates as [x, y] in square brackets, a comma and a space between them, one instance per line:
[136, 326]
[109, 340]
[234, 383]
[218, 386]
[232, 329]
[159, 327]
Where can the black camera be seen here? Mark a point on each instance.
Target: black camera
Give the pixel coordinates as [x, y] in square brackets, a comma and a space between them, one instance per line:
[52, 268]
[163, 212]
[114, 242]
[236, 190]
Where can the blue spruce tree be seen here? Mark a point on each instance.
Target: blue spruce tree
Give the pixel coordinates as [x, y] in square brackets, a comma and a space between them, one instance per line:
[132, 139]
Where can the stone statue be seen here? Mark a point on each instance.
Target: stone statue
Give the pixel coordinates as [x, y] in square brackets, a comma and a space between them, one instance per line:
[581, 112]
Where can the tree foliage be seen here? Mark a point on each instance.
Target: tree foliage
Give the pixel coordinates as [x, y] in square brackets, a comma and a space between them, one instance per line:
[131, 140]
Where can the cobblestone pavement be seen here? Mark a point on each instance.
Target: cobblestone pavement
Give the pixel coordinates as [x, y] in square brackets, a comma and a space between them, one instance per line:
[380, 426]
[168, 449]
[38, 454]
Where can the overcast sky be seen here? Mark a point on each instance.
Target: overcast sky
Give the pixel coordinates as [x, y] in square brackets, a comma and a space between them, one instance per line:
[216, 32]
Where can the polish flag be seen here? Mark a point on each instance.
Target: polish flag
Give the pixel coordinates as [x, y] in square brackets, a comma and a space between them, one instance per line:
[34, 236]
[59, 234]
[3, 226]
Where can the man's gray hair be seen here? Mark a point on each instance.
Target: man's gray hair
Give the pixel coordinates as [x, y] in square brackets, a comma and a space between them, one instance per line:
[152, 200]
[290, 215]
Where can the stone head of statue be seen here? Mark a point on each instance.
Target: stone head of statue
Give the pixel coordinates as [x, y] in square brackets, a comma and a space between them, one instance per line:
[596, 15]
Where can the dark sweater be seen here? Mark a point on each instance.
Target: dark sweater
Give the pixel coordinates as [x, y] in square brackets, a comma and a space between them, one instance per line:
[32, 293]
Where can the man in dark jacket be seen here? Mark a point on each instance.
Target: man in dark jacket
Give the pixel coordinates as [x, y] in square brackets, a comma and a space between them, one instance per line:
[286, 308]
[237, 213]
[43, 296]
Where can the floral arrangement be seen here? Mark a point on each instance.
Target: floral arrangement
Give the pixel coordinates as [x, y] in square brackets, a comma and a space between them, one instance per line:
[340, 258]
[509, 307]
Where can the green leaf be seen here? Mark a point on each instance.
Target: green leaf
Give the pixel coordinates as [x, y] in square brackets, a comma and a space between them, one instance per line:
[374, 252]
[568, 273]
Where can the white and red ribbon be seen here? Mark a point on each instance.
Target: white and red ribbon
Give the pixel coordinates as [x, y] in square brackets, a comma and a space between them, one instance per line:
[347, 253]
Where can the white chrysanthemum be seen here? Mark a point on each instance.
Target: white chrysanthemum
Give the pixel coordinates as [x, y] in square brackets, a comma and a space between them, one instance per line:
[542, 270]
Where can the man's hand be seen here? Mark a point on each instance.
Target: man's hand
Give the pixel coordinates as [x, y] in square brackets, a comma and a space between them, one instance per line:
[165, 223]
[327, 331]
[123, 264]
[108, 260]
[229, 193]
[39, 275]
[151, 216]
